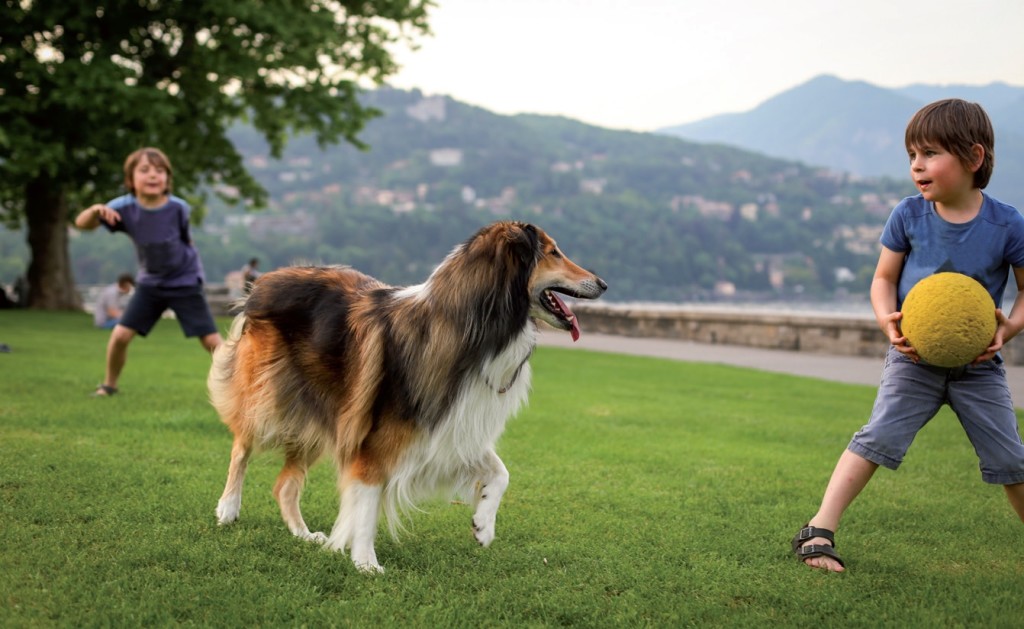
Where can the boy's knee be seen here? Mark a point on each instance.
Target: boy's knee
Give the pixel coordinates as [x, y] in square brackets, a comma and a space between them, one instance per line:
[211, 341]
[121, 335]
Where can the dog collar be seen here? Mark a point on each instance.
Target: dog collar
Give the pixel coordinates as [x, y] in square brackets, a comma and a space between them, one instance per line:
[515, 376]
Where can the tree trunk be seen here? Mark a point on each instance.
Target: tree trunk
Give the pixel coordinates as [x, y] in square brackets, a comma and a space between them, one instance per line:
[51, 284]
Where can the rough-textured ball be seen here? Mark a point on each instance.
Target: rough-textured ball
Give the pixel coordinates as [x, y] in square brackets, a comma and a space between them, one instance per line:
[949, 318]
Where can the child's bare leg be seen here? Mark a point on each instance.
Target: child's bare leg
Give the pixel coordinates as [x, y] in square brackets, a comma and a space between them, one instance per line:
[1015, 493]
[849, 477]
[117, 354]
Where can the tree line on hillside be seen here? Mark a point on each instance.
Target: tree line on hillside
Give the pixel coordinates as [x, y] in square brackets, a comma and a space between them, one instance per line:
[643, 222]
[643, 251]
[645, 211]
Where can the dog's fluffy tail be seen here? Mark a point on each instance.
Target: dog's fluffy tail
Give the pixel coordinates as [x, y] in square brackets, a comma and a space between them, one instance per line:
[224, 355]
[235, 331]
[218, 382]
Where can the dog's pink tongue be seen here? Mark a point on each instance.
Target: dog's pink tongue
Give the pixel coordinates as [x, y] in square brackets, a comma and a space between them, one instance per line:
[575, 330]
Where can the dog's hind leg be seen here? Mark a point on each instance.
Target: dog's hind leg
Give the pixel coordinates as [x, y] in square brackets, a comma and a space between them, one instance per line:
[231, 500]
[490, 486]
[288, 492]
[356, 526]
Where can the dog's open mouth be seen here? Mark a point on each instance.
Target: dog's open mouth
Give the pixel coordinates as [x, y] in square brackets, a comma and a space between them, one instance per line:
[554, 304]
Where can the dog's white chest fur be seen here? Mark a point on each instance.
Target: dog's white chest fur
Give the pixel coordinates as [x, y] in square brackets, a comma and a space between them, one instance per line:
[447, 459]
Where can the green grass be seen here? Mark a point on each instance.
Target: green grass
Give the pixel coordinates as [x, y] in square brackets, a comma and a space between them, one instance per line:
[644, 493]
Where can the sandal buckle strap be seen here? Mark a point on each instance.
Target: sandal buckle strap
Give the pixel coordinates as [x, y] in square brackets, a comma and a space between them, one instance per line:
[810, 532]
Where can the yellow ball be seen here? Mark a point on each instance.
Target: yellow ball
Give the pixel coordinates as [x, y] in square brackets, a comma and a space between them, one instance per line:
[949, 318]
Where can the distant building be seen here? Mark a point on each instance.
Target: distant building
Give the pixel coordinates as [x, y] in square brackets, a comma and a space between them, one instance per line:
[427, 109]
[725, 289]
[593, 186]
[446, 157]
[706, 207]
[749, 211]
[844, 275]
[296, 224]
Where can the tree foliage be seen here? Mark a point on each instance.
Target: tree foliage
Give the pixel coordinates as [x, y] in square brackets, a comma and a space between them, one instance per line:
[84, 84]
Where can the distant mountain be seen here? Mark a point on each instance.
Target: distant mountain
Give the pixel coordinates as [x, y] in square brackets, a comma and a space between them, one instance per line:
[1004, 104]
[856, 127]
[1009, 118]
[994, 96]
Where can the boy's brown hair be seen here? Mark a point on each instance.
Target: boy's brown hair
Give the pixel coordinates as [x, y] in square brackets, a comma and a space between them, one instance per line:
[155, 157]
[955, 125]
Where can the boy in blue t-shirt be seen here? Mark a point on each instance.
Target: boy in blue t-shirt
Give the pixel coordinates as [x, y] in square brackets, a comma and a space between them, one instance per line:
[170, 271]
[950, 226]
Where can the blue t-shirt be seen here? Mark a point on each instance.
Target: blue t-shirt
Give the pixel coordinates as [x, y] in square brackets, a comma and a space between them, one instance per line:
[983, 248]
[163, 243]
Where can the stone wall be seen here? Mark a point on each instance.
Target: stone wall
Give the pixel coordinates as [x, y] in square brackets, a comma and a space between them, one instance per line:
[222, 299]
[841, 334]
[849, 335]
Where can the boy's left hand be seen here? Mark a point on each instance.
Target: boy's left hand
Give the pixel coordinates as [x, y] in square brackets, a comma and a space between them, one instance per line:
[997, 339]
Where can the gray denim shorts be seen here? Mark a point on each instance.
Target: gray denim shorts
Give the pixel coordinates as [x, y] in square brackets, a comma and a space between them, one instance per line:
[910, 394]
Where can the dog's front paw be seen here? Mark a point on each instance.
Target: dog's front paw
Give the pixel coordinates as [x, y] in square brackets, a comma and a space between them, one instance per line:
[484, 533]
[227, 511]
[316, 537]
[369, 568]
[365, 560]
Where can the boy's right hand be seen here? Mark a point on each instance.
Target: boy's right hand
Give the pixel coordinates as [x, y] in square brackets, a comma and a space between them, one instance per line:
[892, 330]
[105, 214]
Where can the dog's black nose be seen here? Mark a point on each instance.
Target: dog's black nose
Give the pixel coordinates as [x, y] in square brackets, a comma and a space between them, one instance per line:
[603, 284]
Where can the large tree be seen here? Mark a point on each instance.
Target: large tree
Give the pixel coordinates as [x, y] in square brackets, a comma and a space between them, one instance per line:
[82, 84]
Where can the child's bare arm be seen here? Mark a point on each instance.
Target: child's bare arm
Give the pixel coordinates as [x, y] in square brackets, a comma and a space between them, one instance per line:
[89, 218]
[883, 299]
[1007, 327]
[1015, 322]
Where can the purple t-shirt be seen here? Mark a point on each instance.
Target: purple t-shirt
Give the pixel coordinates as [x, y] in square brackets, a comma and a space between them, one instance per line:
[163, 243]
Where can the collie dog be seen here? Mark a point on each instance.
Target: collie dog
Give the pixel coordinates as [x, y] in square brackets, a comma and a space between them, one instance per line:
[408, 388]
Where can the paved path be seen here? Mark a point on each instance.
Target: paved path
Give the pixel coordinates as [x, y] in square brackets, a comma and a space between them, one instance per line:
[850, 369]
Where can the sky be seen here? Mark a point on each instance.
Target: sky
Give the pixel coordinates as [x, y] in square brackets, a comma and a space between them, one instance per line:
[647, 64]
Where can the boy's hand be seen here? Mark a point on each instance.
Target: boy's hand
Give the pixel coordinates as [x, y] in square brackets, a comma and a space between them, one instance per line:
[105, 214]
[891, 327]
[997, 339]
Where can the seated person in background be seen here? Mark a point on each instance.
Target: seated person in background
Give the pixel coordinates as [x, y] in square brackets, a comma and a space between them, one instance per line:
[110, 304]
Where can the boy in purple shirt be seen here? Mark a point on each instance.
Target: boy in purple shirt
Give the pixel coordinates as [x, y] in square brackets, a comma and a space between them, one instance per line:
[170, 271]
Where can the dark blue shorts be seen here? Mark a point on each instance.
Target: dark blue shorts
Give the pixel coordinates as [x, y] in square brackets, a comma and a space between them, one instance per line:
[188, 303]
[910, 394]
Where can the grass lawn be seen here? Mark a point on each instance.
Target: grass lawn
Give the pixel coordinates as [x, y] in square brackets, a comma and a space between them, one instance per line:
[644, 492]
